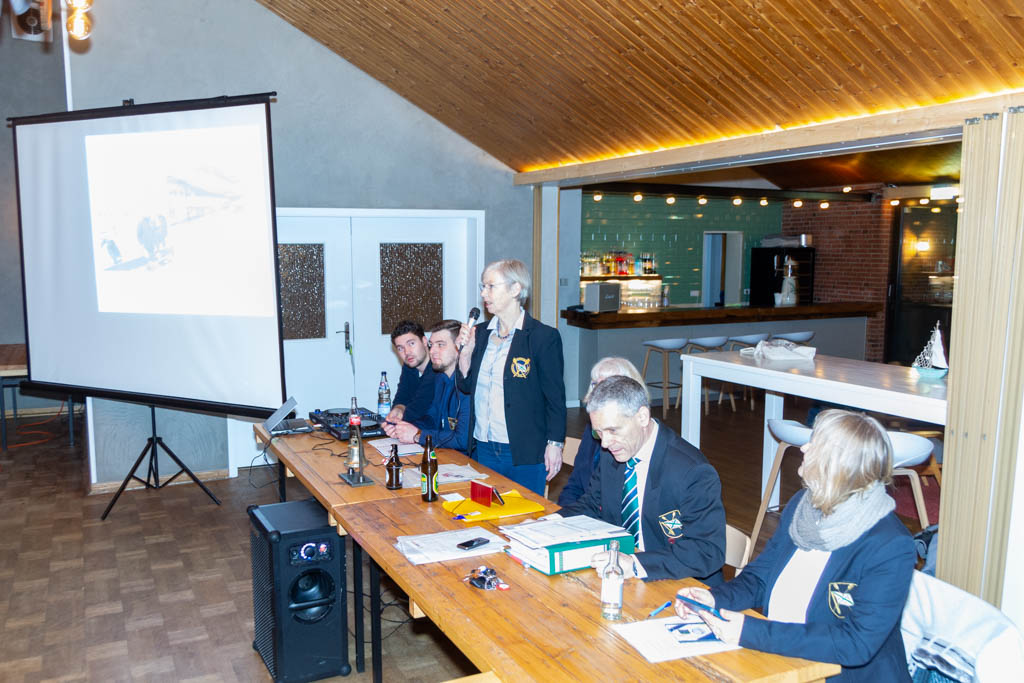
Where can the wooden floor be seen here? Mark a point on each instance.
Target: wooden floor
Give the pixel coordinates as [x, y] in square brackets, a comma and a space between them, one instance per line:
[162, 589]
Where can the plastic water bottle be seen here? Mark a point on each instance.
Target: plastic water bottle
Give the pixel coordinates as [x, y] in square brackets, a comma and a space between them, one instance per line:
[612, 578]
[383, 396]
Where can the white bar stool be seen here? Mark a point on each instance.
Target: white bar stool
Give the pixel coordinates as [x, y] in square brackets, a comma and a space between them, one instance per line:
[703, 345]
[795, 337]
[787, 433]
[666, 347]
[743, 341]
[909, 450]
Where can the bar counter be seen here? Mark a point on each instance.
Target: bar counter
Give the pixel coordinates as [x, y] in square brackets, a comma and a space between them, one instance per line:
[672, 316]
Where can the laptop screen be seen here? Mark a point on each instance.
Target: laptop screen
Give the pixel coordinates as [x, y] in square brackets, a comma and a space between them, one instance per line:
[279, 414]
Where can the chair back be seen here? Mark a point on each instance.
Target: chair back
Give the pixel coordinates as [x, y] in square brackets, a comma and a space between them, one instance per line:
[949, 630]
[570, 449]
[909, 449]
[790, 431]
[737, 546]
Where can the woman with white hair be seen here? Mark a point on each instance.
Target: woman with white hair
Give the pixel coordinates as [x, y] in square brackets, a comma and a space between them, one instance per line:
[834, 577]
[512, 367]
[590, 448]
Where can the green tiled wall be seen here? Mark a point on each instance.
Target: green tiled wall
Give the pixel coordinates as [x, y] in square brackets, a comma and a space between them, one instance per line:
[675, 233]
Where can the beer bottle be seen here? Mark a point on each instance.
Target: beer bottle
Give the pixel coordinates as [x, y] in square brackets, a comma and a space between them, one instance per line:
[428, 472]
[394, 469]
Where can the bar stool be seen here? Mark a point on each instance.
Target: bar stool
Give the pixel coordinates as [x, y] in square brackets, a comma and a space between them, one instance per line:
[795, 337]
[667, 348]
[910, 450]
[703, 345]
[787, 433]
[743, 341]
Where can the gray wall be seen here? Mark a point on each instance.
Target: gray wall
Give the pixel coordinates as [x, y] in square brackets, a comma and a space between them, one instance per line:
[341, 139]
[31, 82]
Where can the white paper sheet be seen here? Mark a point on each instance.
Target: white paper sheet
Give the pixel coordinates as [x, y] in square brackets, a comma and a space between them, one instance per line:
[653, 640]
[442, 546]
[384, 446]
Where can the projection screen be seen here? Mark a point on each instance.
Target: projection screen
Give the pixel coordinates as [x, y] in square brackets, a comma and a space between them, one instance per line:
[148, 250]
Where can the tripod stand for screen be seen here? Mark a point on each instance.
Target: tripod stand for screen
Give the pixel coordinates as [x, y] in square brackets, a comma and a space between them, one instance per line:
[153, 471]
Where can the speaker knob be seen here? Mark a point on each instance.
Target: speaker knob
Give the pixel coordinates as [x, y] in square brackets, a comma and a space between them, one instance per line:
[309, 551]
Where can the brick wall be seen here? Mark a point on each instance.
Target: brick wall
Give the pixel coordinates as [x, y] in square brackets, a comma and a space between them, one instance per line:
[852, 242]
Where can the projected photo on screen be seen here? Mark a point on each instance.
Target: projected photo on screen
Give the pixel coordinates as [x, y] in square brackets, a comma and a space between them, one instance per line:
[160, 233]
[151, 275]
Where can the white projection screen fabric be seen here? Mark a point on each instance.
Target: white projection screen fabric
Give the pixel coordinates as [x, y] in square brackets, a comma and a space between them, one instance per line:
[149, 259]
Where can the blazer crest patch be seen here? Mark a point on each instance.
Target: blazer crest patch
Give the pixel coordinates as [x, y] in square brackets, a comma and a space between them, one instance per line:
[671, 525]
[520, 367]
[840, 596]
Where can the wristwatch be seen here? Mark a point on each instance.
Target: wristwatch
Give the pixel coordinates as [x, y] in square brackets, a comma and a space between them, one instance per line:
[560, 444]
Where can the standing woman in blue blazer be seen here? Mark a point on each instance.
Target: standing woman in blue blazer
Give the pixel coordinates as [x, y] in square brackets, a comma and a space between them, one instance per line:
[834, 577]
[512, 367]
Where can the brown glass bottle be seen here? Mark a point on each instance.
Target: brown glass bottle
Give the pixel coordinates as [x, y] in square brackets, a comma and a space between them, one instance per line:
[428, 473]
[393, 468]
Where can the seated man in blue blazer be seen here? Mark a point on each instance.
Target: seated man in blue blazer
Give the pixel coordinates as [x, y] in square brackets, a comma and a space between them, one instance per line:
[446, 421]
[655, 485]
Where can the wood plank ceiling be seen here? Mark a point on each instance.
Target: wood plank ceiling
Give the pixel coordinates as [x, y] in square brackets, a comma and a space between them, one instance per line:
[541, 83]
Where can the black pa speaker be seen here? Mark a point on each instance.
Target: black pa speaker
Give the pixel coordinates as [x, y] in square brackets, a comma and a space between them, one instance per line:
[297, 591]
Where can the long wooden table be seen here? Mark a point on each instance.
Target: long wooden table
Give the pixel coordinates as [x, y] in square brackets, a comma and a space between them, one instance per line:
[876, 387]
[543, 628]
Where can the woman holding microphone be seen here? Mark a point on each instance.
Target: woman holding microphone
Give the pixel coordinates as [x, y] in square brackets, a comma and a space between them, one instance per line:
[834, 577]
[512, 368]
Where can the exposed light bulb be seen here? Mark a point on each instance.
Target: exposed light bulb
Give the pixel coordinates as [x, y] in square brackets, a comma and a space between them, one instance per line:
[923, 200]
[894, 202]
[598, 196]
[847, 188]
[736, 201]
[79, 25]
[638, 197]
[763, 202]
[823, 205]
[797, 203]
[702, 200]
[936, 209]
[670, 200]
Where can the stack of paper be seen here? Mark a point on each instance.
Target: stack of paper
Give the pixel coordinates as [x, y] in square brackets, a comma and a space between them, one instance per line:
[442, 546]
[384, 446]
[446, 474]
[554, 546]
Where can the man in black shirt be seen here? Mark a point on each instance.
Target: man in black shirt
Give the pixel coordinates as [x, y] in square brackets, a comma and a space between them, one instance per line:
[416, 383]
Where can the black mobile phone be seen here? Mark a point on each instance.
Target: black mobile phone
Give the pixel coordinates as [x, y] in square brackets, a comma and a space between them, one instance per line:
[473, 543]
[497, 497]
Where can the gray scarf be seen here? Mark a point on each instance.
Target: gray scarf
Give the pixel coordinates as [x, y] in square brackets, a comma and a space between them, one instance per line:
[811, 530]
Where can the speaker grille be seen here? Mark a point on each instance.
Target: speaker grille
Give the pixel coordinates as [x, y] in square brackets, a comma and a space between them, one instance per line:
[263, 600]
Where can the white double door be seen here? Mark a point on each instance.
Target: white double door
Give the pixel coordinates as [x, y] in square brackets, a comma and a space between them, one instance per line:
[319, 372]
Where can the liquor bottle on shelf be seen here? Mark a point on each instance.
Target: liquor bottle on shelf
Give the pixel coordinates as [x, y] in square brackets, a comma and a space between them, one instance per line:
[393, 469]
[612, 577]
[383, 396]
[428, 472]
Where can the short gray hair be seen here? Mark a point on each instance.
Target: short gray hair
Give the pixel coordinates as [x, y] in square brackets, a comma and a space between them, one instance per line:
[625, 392]
[610, 366]
[513, 271]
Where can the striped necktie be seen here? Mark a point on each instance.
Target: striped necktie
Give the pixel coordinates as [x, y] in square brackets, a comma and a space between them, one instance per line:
[630, 501]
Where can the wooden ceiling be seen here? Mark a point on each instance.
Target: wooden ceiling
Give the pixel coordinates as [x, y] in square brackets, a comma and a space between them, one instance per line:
[542, 83]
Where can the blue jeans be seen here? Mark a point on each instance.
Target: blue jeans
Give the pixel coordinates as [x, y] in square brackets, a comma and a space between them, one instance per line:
[498, 457]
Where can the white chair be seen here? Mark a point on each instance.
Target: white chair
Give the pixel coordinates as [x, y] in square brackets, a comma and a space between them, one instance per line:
[667, 348]
[910, 450]
[795, 337]
[944, 626]
[787, 433]
[743, 341]
[703, 345]
[737, 547]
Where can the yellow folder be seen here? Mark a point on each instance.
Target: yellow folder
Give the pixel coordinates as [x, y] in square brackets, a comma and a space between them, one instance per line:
[473, 511]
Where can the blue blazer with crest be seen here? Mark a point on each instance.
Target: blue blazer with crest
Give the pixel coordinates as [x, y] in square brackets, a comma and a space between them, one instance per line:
[534, 389]
[681, 514]
[853, 618]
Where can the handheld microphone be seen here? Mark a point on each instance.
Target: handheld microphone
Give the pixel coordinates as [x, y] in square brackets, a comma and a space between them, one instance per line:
[474, 315]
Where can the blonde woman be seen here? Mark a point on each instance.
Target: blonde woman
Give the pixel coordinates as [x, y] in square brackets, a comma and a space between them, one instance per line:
[835, 575]
[590, 450]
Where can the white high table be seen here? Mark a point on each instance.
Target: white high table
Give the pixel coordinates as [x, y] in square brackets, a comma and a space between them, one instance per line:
[876, 387]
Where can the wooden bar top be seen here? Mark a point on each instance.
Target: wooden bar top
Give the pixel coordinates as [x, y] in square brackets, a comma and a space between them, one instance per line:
[543, 627]
[679, 315]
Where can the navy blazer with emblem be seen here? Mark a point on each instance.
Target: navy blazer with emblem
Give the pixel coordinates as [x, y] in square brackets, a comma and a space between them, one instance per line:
[682, 518]
[853, 618]
[534, 389]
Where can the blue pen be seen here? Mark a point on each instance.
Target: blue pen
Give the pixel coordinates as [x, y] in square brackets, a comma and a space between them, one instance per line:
[700, 605]
[659, 609]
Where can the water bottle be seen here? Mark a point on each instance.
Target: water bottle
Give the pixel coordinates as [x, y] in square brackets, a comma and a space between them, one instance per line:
[612, 577]
[383, 396]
